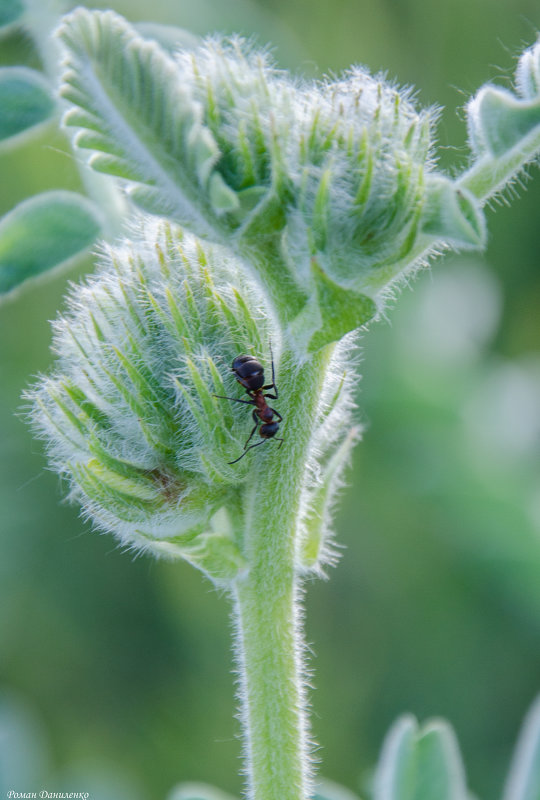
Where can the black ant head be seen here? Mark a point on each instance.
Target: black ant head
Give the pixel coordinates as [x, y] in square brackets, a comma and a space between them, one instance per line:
[249, 372]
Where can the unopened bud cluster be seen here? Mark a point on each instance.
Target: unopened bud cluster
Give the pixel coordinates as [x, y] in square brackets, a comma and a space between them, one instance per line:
[342, 170]
[322, 192]
[337, 177]
[130, 414]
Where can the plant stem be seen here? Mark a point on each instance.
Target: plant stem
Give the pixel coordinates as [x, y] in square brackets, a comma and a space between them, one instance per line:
[272, 693]
[489, 175]
[267, 604]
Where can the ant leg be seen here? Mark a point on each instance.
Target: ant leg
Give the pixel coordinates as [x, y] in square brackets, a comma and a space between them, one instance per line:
[234, 399]
[276, 412]
[256, 421]
[246, 450]
[273, 371]
[273, 384]
[280, 442]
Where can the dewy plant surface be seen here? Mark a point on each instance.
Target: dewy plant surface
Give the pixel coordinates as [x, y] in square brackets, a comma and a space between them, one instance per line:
[273, 216]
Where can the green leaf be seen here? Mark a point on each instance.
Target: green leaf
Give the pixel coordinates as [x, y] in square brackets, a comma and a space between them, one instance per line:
[170, 37]
[524, 778]
[395, 774]
[11, 11]
[528, 73]
[25, 100]
[197, 791]
[454, 215]
[217, 556]
[440, 771]
[328, 790]
[23, 751]
[342, 310]
[502, 120]
[222, 198]
[139, 118]
[42, 233]
[420, 763]
[320, 501]
[331, 312]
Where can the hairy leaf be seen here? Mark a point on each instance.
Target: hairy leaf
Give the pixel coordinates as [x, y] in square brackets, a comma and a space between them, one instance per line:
[43, 232]
[504, 119]
[328, 790]
[420, 763]
[454, 215]
[11, 11]
[25, 101]
[23, 756]
[170, 37]
[524, 777]
[139, 118]
[197, 791]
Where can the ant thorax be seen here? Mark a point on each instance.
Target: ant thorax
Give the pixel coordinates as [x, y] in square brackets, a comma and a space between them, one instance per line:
[250, 374]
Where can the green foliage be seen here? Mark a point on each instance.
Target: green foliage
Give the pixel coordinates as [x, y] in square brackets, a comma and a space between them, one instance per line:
[131, 414]
[424, 763]
[504, 120]
[47, 230]
[43, 233]
[141, 120]
[170, 37]
[328, 790]
[317, 519]
[335, 178]
[524, 777]
[11, 12]
[26, 763]
[25, 99]
[23, 753]
[454, 216]
[335, 312]
[420, 763]
[504, 129]
[329, 193]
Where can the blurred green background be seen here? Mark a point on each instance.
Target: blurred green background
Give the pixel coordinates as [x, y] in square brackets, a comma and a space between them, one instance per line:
[435, 606]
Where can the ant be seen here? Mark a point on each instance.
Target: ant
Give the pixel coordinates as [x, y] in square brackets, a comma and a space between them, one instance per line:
[249, 372]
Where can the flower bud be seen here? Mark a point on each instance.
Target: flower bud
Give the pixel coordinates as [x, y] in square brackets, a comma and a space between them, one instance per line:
[130, 415]
[327, 187]
[343, 166]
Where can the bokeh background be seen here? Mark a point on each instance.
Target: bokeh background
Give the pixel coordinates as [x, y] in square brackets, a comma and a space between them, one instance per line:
[115, 672]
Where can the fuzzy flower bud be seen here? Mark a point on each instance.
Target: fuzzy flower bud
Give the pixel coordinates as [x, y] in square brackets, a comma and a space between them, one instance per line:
[327, 187]
[130, 415]
[342, 168]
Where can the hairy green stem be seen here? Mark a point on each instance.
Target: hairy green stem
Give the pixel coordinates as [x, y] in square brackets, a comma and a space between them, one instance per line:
[489, 175]
[267, 604]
